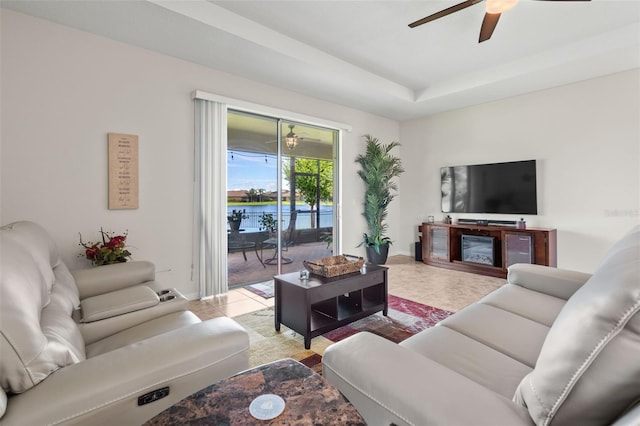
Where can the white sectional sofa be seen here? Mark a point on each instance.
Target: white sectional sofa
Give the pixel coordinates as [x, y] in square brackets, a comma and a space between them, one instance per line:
[551, 347]
[102, 346]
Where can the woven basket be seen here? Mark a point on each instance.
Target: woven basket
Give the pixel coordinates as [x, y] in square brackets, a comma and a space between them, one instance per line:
[334, 265]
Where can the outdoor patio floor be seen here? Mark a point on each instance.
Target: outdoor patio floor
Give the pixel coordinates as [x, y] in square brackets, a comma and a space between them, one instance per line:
[251, 271]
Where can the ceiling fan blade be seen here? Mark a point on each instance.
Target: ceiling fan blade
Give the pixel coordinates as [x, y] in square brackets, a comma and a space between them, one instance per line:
[444, 12]
[488, 25]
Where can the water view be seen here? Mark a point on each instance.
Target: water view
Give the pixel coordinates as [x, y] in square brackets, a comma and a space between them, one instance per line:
[304, 220]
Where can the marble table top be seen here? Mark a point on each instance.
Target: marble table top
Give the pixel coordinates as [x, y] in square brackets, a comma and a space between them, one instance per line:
[309, 399]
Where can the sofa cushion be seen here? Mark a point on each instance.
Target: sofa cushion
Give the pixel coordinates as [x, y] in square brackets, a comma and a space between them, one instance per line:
[470, 358]
[515, 336]
[38, 334]
[588, 371]
[389, 384]
[538, 307]
[142, 331]
[36, 254]
[56, 321]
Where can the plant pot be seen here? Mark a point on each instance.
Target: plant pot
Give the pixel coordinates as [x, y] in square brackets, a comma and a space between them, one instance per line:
[375, 258]
[235, 224]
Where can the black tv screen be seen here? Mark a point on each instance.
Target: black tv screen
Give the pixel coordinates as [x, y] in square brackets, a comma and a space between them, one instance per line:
[508, 188]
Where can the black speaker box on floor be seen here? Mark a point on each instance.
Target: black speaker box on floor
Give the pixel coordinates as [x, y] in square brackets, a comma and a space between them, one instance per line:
[418, 250]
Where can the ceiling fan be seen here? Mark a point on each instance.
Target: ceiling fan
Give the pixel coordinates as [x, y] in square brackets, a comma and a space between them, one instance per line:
[291, 139]
[493, 10]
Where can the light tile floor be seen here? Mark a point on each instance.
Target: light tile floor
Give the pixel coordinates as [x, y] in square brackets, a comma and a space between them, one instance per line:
[441, 288]
[236, 302]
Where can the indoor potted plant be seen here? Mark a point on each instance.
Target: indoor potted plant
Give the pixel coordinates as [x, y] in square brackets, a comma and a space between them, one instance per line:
[235, 218]
[378, 169]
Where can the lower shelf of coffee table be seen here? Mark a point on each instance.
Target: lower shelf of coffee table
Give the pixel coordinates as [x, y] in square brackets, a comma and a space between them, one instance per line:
[321, 323]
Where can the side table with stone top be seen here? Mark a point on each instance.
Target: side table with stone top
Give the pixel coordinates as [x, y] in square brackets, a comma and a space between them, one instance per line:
[309, 399]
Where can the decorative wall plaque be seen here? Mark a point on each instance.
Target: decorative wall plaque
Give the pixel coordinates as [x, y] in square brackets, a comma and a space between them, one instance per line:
[123, 171]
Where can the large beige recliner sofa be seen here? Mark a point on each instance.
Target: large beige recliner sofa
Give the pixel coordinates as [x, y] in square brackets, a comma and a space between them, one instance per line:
[106, 345]
[551, 347]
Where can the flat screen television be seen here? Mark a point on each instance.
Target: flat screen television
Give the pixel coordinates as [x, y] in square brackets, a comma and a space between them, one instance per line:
[507, 188]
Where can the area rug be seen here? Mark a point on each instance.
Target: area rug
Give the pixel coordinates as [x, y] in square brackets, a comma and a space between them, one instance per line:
[405, 318]
[264, 289]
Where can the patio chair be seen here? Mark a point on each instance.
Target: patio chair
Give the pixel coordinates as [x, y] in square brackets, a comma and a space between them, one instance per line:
[288, 239]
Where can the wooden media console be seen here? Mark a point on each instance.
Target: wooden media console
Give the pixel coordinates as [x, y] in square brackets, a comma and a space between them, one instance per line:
[486, 249]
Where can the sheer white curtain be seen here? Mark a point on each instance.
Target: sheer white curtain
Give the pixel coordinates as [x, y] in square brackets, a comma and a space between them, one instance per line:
[210, 259]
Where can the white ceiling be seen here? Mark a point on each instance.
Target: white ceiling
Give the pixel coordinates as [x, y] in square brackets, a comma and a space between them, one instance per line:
[363, 55]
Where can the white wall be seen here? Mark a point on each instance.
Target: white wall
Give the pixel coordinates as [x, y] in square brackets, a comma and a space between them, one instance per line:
[63, 90]
[586, 138]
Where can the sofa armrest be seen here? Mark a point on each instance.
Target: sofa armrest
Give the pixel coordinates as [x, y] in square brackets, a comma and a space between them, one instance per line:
[555, 282]
[411, 389]
[104, 390]
[119, 302]
[97, 330]
[103, 279]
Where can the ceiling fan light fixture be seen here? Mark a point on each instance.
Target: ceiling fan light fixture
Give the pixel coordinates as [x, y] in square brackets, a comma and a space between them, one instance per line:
[499, 6]
[291, 139]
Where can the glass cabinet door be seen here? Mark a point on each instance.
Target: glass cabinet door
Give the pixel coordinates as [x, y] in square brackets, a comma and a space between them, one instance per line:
[438, 242]
[518, 248]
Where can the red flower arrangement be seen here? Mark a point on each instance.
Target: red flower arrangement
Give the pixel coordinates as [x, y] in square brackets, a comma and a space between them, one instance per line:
[110, 250]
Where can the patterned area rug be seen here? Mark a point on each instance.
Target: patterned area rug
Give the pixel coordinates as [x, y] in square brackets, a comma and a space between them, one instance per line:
[405, 318]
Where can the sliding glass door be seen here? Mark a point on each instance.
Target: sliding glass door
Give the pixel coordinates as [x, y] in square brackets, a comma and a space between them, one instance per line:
[280, 192]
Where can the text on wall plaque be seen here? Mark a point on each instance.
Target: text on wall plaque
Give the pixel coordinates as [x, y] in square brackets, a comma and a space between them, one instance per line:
[123, 171]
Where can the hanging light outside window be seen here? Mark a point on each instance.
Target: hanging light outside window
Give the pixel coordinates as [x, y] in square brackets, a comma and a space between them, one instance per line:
[291, 139]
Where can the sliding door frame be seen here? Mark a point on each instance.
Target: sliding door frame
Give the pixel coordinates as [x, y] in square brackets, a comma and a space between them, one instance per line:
[288, 116]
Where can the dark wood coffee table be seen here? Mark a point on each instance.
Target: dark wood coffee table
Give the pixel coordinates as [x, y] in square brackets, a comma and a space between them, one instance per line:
[317, 305]
[309, 399]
